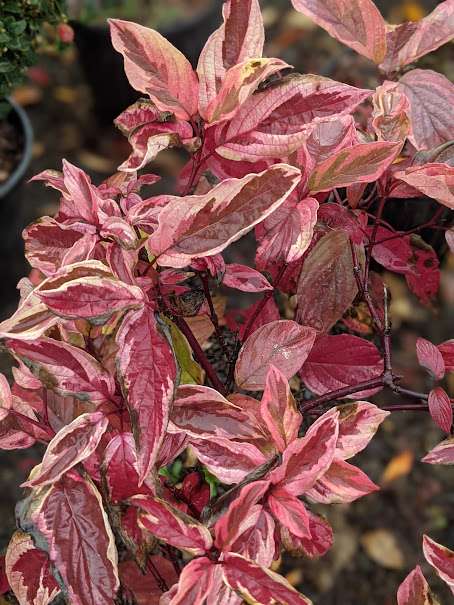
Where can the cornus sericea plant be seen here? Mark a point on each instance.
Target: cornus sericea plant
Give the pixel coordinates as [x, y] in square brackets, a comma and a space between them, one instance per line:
[180, 461]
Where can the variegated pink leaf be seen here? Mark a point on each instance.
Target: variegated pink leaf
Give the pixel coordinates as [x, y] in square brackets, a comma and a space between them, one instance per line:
[391, 113]
[202, 412]
[306, 459]
[357, 23]
[48, 243]
[120, 467]
[65, 368]
[95, 298]
[430, 357]
[234, 521]
[441, 558]
[443, 453]
[257, 542]
[342, 483]
[327, 136]
[286, 234]
[259, 585]
[244, 278]
[240, 37]
[328, 268]
[28, 571]
[434, 180]
[155, 67]
[172, 526]
[199, 226]
[81, 199]
[341, 360]
[414, 590]
[362, 163]
[431, 97]
[275, 122]
[149, 130]
[194, 584]
[447, 351]
[239, 83]
[289, 511]
[6, 400]
[62, 518]
[410, 41]
[229, 461]
[283, 343]
[72, 444]
[278, 409]
[440, 407]
[317, 544]
[358, 423]
[147, 369]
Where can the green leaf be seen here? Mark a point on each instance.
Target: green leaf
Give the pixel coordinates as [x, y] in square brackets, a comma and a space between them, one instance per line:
[190, 371]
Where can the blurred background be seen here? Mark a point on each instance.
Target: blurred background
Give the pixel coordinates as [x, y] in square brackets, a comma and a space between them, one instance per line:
[71, 97]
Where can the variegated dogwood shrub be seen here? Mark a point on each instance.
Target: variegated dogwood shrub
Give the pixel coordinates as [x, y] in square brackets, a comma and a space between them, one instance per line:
[186, 445]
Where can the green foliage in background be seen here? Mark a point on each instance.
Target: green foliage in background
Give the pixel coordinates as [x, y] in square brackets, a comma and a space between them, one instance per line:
[21, 23]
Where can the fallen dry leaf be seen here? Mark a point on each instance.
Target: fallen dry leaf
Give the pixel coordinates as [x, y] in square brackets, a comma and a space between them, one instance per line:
[382, 547]
[399, 466]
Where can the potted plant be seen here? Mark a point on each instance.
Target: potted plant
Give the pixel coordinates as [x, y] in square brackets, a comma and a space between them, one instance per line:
[21, 33]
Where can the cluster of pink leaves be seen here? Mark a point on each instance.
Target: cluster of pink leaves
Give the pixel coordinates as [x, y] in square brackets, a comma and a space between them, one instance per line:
[106, 375]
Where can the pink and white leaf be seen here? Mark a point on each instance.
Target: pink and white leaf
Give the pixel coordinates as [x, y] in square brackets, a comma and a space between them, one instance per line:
[95, 298]
[306, 459]
[362, 163]
[233, 522]
[431, 97]
[342, 483]
[282, 343]
[62, 520]
[240, 37]
[155, 67]
[28, 571]
[239, 84]
[358, 423]
[147, 369]
[278, 409]
[202, 412]
[72, 444]
[65, 368]
[228, 460]
[120, 467]
[244, 278]
[200, 226]
[441, 558]
[443, 453]
[172, 526]
[320, 539]
[414, 590]
[289, 511]
[357, 24]
[434, 180]
[411, 40]
[287, 233]
[6, 400]
[259, 585]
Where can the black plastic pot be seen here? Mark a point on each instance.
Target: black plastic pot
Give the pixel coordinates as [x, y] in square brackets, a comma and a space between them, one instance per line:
[20, 120]
[103, 65]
